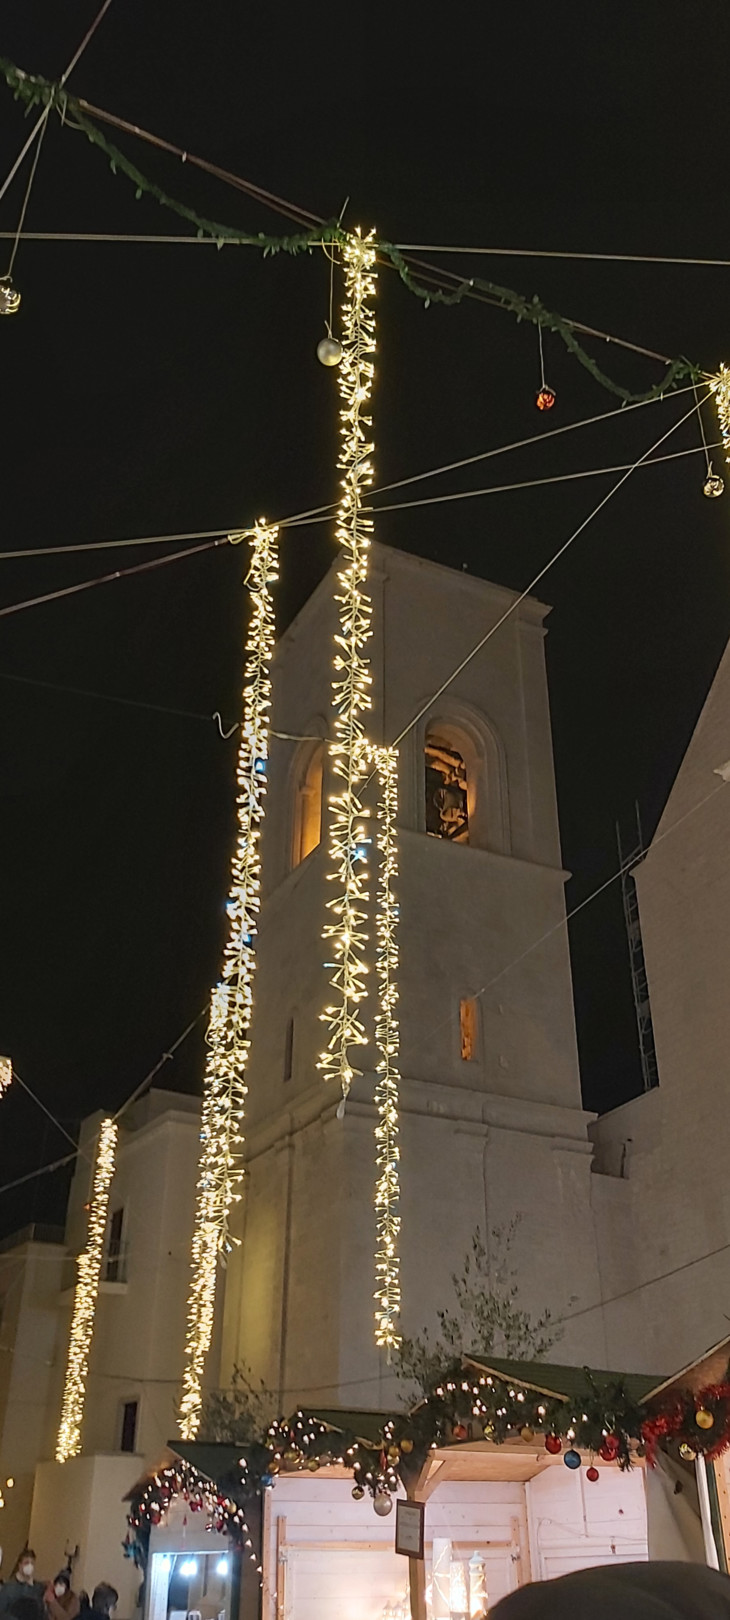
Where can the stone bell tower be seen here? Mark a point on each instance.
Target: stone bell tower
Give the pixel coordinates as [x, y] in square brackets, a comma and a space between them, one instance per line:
[491, 1123]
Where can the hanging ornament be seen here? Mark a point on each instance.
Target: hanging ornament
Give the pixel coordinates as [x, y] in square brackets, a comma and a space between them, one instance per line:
[545, 398]
[383, 1504]
[291, 1457]
[527, 1433]
[460, 1432]
[9, 297]
[713, 485]
[572, 1458]
[313, 1465]
[358, 1492]
[608, 1450]
[686, 1453]
[592, 1474]
[406, 1447]
[703, 1418]
[329, 351]
[393, 1454]
[553, 1444]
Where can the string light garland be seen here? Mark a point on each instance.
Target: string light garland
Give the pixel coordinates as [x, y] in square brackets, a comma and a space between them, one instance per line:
[6, 1074]
[387, 1036]
[68, 1443]
[351, 686]
[720, 386]
[224, 1090]
[34, 90]
[150, 1504]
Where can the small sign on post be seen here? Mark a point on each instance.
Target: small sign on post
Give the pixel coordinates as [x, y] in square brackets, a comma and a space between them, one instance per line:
[409, 1527]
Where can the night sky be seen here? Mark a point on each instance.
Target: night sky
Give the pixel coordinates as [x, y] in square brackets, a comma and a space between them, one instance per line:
[160, 389]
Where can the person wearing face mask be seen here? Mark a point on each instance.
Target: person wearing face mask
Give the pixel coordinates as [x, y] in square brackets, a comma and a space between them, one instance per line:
[61, 1601]
[23, 1587]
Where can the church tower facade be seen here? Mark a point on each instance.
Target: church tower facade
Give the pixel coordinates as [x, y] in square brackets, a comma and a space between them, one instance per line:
[491, 1125]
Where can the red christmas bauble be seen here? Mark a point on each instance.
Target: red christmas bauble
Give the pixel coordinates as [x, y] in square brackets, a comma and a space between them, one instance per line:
[592, 1474]
[609, 1449]
[545, 398]
[460, 1431]
[553, 1444]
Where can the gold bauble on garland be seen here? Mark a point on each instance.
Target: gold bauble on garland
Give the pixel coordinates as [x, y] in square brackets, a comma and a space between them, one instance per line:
[686, 1453]
[527, 1433]
[703, 1418]
[406, 1447]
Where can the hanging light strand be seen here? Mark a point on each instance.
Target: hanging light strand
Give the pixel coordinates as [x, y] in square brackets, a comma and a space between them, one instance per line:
[387, 1187]
[224, 1089]
[86, 1294]
[720, 386]
[351, 686]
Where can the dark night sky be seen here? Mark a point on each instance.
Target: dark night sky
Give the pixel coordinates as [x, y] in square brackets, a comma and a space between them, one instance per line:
[155, 389]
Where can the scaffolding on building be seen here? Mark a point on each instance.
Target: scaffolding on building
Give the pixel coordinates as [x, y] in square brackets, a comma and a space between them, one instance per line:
[629, 857]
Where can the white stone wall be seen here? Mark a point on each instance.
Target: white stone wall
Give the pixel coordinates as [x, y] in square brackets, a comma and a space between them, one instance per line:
[674, 1274]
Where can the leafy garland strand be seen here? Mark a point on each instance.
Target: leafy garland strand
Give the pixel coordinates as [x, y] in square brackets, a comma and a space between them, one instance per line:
[34, 90]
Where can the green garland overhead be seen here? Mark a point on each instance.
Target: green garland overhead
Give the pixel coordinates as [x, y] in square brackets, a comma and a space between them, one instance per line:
[34, 90]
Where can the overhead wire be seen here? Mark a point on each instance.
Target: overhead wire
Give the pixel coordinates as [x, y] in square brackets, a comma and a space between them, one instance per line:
[557, 253]
[40, 123]
[539, 576]
[323, 513]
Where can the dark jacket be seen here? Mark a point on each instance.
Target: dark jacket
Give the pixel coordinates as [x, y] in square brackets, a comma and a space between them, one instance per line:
[26, 1596]
[623, 1592]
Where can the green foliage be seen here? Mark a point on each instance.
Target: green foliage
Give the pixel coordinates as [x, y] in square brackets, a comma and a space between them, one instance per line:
[238, 1415]
[36, 91]
[487, 1318]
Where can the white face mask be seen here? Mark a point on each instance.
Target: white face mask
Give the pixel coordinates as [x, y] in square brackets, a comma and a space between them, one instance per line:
[28, 1570]
[59, 1589]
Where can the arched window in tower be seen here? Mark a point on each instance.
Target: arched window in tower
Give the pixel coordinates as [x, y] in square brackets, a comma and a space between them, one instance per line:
[308, 804]
[447, 789]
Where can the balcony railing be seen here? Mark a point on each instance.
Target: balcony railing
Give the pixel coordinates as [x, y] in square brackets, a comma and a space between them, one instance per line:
[114, 1265]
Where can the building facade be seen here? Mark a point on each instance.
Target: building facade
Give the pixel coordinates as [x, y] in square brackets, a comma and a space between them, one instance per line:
[75, 1509]
[663, 1204]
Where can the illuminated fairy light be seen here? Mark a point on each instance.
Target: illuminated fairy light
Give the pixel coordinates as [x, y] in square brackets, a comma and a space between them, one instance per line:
[387, 1036]
[224, 1089]
[6, 1074]
[68, 1443]
[351, 686]
[721, 389]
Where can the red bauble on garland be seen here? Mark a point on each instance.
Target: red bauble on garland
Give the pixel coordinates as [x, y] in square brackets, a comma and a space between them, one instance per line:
[608, 1451]
[685, 1422]
[592, 1474]
[553, 1444]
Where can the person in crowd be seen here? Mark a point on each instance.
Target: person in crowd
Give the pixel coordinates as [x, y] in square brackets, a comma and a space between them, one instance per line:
[23, 1587]
[104, 1600]
[62, 1603]
[653, 1591]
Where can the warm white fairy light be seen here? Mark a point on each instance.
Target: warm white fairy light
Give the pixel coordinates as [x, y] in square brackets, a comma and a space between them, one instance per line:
[721, 389]
[387, 1188]
[224, 1092]
[351, 686]
[68, 1443]
[6, 1073]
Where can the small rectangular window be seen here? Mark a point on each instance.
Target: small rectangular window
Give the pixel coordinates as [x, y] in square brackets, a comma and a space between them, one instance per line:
[468, 1028]
[289, 1050]
[130, 1411]
[114, 1253]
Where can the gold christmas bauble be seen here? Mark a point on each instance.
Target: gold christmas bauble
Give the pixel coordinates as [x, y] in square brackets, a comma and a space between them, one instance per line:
[329, 351]
[686, 1453]
[406, 1447]
[291, 1457]
[313, 1465]
[393, 1454]
[703, 1418]
[527, 1433]
[713, 486]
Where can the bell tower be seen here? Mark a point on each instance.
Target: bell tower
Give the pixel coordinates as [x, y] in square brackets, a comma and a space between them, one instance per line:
[491, 1123]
